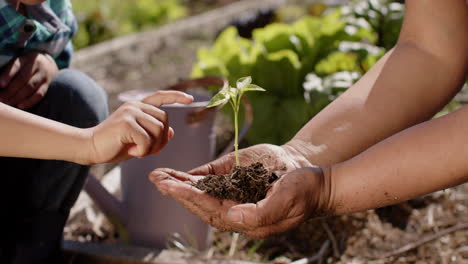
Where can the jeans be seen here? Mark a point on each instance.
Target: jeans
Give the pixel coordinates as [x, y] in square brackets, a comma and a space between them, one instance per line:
[37, 195]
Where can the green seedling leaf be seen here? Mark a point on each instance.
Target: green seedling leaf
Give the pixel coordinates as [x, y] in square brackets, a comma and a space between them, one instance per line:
[242, 82]
[252, 87]
[233, 92]
[220, 98]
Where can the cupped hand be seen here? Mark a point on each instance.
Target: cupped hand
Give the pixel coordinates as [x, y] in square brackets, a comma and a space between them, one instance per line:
[136, 129]
[299, 194]
[26, 80]
[274, 158]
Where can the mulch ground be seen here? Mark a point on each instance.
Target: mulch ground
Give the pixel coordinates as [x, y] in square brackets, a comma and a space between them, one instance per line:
[436, 232]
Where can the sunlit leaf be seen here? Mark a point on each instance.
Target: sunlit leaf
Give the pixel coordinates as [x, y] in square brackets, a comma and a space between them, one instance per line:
[232, 92]
[275, 37]
[252, 87]
[220, 98]
[242, 82]
[279, 72]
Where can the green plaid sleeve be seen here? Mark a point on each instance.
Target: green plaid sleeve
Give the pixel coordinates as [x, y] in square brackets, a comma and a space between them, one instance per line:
[11, 23]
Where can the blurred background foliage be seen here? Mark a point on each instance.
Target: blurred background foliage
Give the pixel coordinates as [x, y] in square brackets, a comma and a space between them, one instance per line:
[305, 53]
[305, 57]
[100, 20]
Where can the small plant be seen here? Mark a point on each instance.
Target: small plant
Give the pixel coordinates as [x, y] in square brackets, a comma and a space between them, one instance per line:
[248, 184]
[233, 95]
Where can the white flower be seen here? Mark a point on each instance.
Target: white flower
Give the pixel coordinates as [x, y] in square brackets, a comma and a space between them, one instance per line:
[313, 82]
[351, 30]
[372, 14]
[359, 22]
[361, 8]
[396, 7]
[342, 79]
[296, 42]
[347, 46]
[346, 10]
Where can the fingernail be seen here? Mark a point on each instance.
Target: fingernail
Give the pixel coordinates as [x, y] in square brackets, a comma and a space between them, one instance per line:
[152, 178]
[171, 133]
[235, 216]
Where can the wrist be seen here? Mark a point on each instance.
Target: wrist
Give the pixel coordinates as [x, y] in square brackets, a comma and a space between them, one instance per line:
[84, 152]
[301, 152]
[322, 195]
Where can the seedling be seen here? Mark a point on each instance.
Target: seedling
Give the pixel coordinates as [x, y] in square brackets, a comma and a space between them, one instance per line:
[247, 184]
[233, 95]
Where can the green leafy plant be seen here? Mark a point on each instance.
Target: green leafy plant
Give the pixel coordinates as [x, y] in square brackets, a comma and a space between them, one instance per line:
[106, 19]
[233, 95]
[280, 57]
[385, 17]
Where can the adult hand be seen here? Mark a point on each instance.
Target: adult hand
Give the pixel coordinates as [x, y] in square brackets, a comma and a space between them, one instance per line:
[275, 158]
[291, 200]
[26, 80]
[136, 129]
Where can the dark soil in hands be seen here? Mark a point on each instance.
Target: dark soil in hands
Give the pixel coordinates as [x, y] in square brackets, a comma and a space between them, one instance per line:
[244, 184]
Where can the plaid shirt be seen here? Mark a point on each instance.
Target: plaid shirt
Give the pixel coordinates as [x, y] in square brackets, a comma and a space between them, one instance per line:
[48, 28]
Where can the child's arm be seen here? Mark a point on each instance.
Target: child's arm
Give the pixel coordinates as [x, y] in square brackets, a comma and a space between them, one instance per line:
[136, 129]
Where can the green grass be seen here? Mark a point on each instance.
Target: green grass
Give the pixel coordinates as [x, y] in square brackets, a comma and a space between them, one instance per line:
[100, 20]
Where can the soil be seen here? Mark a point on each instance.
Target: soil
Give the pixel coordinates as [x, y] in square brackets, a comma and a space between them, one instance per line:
[244, 184]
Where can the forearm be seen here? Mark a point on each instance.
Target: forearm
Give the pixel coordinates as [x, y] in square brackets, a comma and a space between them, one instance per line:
[29, 136]
[407, 86]
[420, 160]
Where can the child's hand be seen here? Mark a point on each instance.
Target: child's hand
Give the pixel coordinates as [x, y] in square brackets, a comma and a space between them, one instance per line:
[25, 81]
[136, 129]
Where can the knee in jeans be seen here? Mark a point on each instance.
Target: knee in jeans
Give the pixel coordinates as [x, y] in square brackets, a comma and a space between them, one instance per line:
[81, 101]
